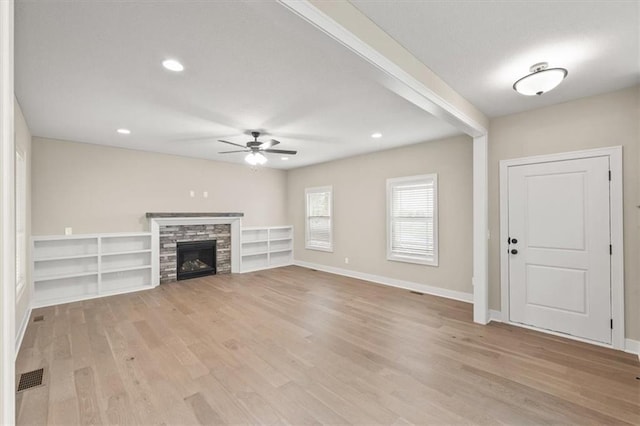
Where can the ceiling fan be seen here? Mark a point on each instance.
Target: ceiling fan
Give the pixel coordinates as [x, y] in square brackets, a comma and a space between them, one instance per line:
[255, 148]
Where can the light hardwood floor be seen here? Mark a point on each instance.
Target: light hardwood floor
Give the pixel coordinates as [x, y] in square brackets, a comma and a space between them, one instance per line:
[297, 346]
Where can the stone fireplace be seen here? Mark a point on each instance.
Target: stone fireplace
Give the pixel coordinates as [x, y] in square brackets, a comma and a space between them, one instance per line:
[172, 235]
[192, 230]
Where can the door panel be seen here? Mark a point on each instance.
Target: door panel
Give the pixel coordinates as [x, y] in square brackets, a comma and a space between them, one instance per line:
[547, 207]
[544, 283]
[559, 279]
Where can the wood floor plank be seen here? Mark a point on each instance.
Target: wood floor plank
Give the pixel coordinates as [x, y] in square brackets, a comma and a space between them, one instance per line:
[297, 346]
[89, 409]
[203, 411]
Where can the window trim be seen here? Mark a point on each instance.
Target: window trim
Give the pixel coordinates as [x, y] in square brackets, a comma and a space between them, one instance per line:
[308, 244]
[391, 182]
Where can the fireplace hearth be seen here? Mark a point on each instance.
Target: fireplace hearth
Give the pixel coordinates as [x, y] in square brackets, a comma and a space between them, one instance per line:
[195, 259]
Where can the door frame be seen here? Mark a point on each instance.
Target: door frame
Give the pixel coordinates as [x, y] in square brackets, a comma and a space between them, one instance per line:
[7, 220]
[617, 236]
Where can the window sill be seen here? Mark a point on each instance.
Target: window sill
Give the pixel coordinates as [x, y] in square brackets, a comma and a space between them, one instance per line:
[409, 259]
[318, 248]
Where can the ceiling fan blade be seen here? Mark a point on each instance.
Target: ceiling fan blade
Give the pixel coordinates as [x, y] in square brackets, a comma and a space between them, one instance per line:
[267, 145]
[229, 152]
[280, 151]
[231, 143]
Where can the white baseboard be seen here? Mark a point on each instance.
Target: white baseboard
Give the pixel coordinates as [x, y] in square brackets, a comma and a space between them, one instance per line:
[495, 315]
[392, 282]
[23, 328]
[632, 346]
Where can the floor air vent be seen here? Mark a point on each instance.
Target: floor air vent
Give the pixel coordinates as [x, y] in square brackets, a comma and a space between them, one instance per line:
[38, 318]
[31, 379]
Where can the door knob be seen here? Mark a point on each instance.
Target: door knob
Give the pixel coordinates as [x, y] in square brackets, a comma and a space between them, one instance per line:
[514, 251]
[514, 241]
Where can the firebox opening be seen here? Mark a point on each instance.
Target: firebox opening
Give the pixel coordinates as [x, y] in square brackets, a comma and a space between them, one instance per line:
[196, 259]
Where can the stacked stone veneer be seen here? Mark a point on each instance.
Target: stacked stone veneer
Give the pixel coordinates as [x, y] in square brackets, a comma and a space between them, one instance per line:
[171, 235]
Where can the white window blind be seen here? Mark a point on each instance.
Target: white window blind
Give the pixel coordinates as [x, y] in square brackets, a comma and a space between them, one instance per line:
[21, 220]
[412, 216]
[318, 226]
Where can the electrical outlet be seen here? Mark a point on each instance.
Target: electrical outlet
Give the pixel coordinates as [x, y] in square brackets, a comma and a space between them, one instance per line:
[68, 230]
[346, 260]
[205, 194]
[192, 193]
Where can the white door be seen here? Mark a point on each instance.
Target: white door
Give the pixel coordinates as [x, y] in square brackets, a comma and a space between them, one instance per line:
[559, 247]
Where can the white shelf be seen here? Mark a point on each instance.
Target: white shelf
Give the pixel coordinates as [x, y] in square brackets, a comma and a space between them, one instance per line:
[281, 239]
[118, 253]
[134, 268]
[78, 256]
[266, 247]
[64, 276]
[258, 253]
[280, 250]
[69, 268]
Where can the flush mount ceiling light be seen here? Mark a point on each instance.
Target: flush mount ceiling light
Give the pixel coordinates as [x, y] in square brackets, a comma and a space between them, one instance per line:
[124, 131]
[284, 158]
[376, 135]
[255, 158]
[173, 65]
[541, 80]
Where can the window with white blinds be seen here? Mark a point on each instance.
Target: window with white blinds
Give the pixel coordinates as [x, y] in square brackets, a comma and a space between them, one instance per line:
[412, 212]
[319, 234]
[21, 220]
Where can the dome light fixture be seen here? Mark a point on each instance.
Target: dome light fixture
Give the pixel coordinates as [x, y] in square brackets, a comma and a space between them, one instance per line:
[541, 80]
[255, 159]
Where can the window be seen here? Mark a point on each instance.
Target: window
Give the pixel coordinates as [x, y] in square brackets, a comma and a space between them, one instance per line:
[412, 219]
[318, 226]
[21, 220]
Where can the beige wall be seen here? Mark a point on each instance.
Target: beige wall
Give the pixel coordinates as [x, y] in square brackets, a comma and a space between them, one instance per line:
[599, 121]
[94, 188]
[359, 194]
[23, 145]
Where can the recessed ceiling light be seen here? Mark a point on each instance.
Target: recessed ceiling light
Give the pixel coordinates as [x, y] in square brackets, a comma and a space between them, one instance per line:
[376, 135]
[172, 65]
[284, 158]
[124, 131]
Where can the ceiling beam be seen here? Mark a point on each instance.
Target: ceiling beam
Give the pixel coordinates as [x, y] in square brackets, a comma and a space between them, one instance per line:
[407, 76]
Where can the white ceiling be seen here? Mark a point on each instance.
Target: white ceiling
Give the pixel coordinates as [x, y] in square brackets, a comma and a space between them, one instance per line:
[86, 68]
[481, 47]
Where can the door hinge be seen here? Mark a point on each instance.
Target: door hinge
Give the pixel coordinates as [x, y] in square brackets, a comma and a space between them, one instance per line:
[612, 323]
[609, 175]
[610, 249]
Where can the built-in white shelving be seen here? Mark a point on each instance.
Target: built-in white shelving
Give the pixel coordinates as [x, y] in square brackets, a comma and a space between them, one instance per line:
[266, 247]
[68, 268]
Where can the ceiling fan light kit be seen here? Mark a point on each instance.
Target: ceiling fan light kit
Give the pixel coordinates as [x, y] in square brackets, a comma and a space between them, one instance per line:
[255, 149]
[541, 80]
[255, 159]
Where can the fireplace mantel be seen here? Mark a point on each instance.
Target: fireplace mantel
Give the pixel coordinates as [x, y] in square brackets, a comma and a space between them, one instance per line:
[156, 220]
[193, 214]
